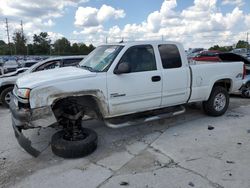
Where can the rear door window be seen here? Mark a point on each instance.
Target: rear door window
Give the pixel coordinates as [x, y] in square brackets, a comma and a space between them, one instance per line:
[170, 56]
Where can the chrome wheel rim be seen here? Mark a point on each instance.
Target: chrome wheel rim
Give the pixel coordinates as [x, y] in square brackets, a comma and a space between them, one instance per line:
[7, 97]
[219, 102]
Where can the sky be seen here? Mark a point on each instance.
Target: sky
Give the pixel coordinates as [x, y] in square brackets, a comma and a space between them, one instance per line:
[195, 23]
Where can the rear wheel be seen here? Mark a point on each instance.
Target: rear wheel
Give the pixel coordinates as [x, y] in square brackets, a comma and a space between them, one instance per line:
[6, 96]
[218, 102]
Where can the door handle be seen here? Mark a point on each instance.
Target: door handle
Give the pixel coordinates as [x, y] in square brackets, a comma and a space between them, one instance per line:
[156, 78]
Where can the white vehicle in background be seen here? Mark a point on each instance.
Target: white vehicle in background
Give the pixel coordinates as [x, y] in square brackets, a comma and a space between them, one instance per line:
[10, 66]
[120, 84]
[8, 81]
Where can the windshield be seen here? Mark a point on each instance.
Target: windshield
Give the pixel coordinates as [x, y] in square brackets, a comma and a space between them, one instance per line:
[101, 58]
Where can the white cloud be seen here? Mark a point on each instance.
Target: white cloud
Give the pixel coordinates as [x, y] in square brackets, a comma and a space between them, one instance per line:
[90, 30]
[92, 17]
[233, 2]
[202, 24]
[37, 16]
[49, 23]
[107, 12]
[39, 8]
[86, 16]
[247, 21]
[54, 36]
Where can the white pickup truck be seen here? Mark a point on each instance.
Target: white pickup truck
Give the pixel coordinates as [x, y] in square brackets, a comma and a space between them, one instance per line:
[121, 84]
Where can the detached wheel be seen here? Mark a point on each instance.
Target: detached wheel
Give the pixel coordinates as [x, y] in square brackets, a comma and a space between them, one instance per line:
[246, 90]
[217, 103]
[6, 96]
[63, 147]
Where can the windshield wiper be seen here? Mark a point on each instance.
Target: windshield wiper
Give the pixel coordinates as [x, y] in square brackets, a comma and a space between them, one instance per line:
[89, 68]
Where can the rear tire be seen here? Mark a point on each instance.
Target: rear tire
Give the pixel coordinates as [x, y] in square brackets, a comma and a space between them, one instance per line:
[5, 96]
[74, 149]
[218, 102]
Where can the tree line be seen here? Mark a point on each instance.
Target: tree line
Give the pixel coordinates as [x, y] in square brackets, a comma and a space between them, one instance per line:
[240, 44]
[42, 45]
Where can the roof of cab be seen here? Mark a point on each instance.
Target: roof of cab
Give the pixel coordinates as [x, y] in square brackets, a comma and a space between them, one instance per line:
[133, 43]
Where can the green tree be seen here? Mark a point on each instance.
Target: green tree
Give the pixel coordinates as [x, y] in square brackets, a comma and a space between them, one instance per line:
[91, 48]
[62, 47]
[221, 48]
[41, 44]
[30, 49]
[3, 47]
[75, 49]
[85, 50]
[19, 43]
[242, 44]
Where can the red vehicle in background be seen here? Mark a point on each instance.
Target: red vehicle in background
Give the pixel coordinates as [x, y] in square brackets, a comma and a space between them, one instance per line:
[210, 55]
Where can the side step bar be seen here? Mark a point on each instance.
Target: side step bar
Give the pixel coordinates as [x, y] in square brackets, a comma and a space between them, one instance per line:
[132, 120]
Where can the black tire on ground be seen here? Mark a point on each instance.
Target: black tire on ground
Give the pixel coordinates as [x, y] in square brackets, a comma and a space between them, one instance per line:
[74, 149]
[245, 91]
[217, 103]
[6, 95]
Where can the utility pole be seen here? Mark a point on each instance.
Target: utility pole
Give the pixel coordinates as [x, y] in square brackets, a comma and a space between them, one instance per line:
[22, 26]
[8, 34]
[247, 41]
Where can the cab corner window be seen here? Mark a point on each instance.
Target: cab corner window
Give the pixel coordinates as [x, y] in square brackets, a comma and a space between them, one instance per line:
[170, 56]
[140, 58]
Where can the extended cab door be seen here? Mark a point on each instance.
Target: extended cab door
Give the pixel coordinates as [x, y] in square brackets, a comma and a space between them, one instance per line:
[176, 75]
[141, 88]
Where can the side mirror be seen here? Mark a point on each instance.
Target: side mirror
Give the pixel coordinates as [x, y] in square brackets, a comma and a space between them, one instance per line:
[123, 68]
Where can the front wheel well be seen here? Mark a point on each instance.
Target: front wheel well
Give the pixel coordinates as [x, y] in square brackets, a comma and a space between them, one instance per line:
[87, 104]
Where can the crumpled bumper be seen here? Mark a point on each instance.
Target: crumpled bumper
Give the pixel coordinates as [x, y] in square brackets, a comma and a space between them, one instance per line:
[20, 121]
[24, 142]
[26, 119]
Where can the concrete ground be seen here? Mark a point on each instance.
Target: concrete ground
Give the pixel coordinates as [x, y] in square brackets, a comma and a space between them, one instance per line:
[178, 152]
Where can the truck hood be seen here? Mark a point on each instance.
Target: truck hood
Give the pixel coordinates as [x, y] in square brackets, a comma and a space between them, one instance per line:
[49, 77]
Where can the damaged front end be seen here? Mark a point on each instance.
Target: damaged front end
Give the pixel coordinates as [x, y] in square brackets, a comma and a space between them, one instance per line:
[24, 118]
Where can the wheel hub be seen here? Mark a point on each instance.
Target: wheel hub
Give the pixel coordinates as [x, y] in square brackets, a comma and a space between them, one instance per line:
[72, 123]
[7, 97]
[219, 102]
